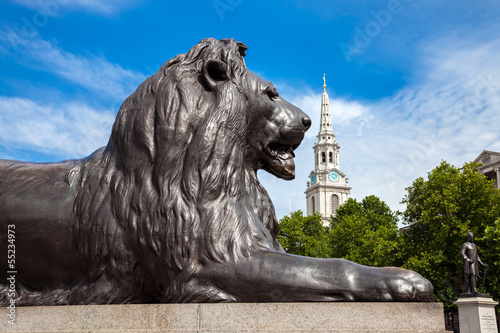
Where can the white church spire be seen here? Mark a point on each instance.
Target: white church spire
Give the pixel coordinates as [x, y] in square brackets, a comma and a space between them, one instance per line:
[328, 186]
[326, 119]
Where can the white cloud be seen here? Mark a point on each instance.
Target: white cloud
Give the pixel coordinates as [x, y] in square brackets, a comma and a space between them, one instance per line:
[70, 130]
[451, 111]
[52, 7]
[92, 72]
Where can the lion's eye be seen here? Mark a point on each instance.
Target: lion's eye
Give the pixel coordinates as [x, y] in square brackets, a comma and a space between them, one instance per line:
[272, 93]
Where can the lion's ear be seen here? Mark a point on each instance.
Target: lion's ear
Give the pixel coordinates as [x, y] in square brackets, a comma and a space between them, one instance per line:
[214, 72]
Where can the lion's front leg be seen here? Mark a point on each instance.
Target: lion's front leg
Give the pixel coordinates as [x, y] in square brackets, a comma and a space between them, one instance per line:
[270, 276]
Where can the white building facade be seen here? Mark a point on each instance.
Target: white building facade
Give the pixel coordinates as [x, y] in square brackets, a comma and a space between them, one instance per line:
[327, 187]
[491, 165]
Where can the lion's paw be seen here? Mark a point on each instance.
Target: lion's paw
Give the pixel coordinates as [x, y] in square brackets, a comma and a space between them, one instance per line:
[410, 286]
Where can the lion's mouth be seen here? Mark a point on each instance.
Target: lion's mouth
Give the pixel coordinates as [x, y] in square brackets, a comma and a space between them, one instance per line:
[281, 151]
[281, 163]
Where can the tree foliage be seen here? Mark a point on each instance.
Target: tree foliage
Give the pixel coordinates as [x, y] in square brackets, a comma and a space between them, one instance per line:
[440, 211]
[304, 235]
[365, 232]
[490, 254]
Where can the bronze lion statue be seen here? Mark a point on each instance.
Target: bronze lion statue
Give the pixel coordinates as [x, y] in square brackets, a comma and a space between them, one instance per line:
[171, 210]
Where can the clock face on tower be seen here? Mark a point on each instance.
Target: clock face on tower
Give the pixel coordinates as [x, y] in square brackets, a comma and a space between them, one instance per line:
[333, 176]
[313, 178]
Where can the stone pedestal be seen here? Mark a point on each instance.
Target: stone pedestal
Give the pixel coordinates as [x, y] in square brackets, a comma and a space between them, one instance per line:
[477, 315]
[231, 317]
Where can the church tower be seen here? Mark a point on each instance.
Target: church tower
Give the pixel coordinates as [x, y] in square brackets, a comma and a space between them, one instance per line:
[328, 188]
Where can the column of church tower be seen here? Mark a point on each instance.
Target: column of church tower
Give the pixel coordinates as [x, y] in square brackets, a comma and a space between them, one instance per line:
[327, 187]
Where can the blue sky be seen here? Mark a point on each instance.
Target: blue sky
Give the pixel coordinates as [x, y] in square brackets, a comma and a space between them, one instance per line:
[410, 82]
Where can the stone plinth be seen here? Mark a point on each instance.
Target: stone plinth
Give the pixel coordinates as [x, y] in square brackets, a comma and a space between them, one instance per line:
[477, 315]
[231, 317]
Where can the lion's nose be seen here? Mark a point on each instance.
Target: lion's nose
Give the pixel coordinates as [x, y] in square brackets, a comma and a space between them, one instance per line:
[307, 122]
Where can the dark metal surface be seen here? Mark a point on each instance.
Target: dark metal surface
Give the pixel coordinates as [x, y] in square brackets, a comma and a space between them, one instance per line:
[171, 210]
[471, 260]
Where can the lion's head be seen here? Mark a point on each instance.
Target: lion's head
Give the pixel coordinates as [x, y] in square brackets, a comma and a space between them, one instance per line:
[275, 129]
[178, 175]
[210, 87]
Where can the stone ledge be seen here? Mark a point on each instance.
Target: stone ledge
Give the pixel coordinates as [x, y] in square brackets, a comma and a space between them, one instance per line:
[474, 301]
[230, 317]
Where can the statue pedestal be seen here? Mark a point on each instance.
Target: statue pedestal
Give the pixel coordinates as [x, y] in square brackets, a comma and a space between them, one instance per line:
[476, 314]
[230, 317]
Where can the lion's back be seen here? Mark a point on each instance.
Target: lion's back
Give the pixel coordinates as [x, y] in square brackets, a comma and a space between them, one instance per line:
[27, 187]
[36, 201]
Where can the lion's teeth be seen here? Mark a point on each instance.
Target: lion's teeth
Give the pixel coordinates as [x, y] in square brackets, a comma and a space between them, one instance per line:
[271, 152]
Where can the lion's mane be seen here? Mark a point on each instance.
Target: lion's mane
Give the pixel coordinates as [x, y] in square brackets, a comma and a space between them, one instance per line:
[170, 192]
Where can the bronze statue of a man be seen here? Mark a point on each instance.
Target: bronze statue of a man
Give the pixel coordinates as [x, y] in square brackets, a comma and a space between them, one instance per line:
[471, 259]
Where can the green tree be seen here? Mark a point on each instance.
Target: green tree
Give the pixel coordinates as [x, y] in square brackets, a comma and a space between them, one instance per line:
[365, 232]
[440, 211]
[490, 254]
[304, 235]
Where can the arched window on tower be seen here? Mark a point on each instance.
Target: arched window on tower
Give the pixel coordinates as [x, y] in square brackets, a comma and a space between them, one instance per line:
[335, 203]
[323, 157]
[330, 157]
[313, 205]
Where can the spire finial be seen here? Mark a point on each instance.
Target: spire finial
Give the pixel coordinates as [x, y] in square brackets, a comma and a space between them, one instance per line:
[324, 81]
